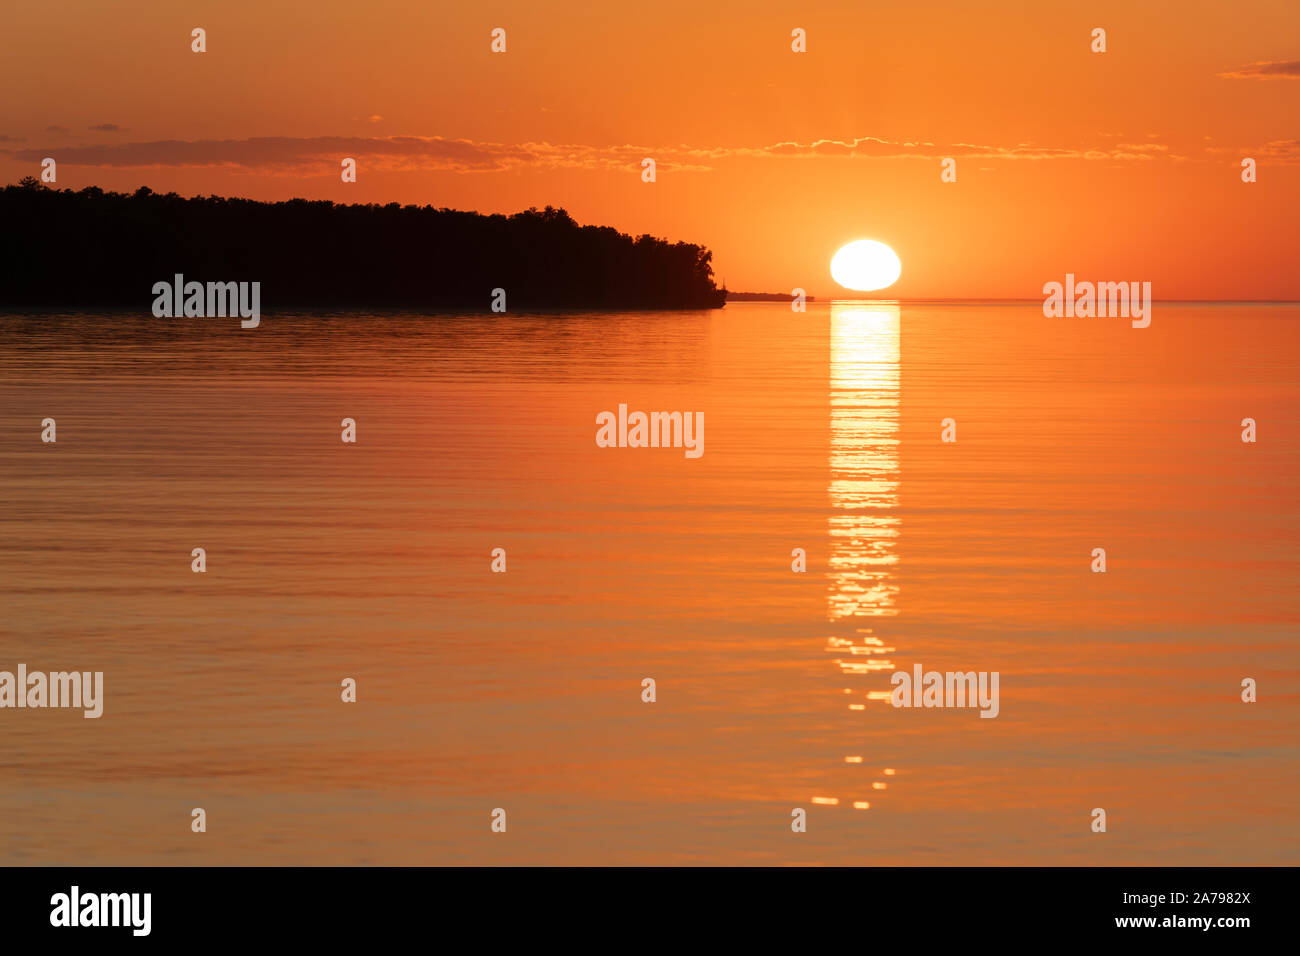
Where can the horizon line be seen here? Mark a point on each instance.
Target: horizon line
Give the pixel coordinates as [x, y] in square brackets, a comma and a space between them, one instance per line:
[976, 300]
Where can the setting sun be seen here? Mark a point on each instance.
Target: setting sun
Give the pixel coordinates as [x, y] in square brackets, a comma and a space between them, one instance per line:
[865, 265]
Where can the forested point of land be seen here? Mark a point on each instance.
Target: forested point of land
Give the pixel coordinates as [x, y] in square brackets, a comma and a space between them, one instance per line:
[87, 248]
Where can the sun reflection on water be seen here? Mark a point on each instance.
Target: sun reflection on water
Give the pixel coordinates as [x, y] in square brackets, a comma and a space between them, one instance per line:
[864, 486]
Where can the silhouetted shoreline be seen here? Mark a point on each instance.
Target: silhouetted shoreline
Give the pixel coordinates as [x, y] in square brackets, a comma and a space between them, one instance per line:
[90, 248]
[764, 297]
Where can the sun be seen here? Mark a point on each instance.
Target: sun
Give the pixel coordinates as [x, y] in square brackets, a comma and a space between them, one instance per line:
[866, 265]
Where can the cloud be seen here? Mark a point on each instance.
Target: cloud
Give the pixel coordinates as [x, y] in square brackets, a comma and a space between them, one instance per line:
[872, 147]
[288, 155]
[1278, 152]
[105, 128]
[1265, 70]
[57, 129]
[1285, 152]
[11, 139]
[402, 153]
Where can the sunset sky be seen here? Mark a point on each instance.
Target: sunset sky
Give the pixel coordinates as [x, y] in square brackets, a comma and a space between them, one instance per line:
[1115, 166]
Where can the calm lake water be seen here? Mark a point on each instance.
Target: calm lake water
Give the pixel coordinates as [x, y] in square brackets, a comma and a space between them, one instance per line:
[522, 690]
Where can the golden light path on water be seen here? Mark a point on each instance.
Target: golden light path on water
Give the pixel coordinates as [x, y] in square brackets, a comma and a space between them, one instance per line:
[864, 486]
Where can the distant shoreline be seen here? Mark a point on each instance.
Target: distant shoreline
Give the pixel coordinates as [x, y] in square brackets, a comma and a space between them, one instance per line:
[96, 249]
[316, 311]
[45, 311]
[732, 297]
[764, 297]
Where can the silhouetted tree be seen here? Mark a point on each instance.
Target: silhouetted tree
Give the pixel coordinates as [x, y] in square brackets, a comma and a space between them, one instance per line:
[96, 248]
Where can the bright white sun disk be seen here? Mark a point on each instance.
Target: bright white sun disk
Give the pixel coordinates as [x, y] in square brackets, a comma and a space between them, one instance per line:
[866, 265]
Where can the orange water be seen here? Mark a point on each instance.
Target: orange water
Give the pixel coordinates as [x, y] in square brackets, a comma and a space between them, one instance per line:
[522, 690]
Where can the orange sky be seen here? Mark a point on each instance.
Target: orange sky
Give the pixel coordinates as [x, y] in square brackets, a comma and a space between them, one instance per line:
[1115, 166]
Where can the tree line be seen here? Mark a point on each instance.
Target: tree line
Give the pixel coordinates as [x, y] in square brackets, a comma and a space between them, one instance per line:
[92, 248]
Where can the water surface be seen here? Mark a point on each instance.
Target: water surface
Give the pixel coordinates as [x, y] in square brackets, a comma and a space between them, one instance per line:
[522, 690]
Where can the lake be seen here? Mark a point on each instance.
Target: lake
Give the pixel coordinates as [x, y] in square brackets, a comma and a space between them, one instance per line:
[522, 690]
